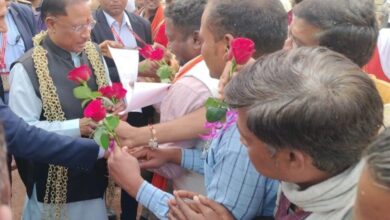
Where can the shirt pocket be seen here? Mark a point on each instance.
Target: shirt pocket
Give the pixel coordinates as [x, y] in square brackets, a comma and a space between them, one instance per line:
[16, 43]
[215, 154]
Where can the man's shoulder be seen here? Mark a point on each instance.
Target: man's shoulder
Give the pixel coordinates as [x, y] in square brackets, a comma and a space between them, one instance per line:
[96, 14]
[24, 2]
[229, 137]
[26, 60]
[21, 7]
[26, 56]
[137, 19]
[189, 82]
[24, 13]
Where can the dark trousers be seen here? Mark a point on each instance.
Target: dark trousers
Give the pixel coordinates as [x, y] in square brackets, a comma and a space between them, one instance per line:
[129, 206]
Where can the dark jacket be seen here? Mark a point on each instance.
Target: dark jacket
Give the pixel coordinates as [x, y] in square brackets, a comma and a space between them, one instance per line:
[81, 184]
[30, 142]
[25, 22]
[102, 32]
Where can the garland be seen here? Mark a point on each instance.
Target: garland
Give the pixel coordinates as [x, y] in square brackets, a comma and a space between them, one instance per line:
[56, 185]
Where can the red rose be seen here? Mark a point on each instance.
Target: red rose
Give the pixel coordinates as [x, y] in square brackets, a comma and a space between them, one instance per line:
[157, 54]
[107, 91]
[241, 49]
[146, 51]
[119, 91]
[115, 91]
[95, 110]
[80, 74]
[150, 53]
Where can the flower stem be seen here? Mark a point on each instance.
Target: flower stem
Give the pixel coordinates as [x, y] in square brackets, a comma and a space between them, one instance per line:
[116, 138]
[232, 70]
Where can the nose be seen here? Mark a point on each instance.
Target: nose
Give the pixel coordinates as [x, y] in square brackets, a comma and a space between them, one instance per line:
[85, 33]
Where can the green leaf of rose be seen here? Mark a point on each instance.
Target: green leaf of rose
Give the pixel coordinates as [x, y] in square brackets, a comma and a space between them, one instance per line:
[105, 140]
[164, 72]
[98, 134]
[112, 122]
[214, 114]
[95, 95]
[214, 102]
[215, 110]
[82, 92]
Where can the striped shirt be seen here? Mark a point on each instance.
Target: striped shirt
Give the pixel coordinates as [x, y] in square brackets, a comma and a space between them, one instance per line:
[230, 180]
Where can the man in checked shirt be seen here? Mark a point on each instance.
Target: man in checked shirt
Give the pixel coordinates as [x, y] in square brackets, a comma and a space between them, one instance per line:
[230, 178]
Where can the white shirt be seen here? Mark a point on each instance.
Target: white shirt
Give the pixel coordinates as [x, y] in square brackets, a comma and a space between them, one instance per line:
[383, 45]
[122, 30]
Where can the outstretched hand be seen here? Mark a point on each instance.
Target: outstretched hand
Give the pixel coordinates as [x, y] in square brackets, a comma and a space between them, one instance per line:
[148, 68]
[87, 126]
[118, 108]
[190, 206]
[124, 170]
[153, 158]
[109, 43]
[126, 133]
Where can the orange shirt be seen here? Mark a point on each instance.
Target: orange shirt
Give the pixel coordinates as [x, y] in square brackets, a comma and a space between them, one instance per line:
[187, 67]
[158, 27]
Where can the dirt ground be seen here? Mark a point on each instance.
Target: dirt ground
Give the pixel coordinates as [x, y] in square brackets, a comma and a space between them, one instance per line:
[19, 195]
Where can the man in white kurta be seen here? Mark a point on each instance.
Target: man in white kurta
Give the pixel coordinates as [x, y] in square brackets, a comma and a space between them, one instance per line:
[66, 45]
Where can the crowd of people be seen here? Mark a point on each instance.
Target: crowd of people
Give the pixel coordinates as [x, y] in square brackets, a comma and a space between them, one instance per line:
[305, 136]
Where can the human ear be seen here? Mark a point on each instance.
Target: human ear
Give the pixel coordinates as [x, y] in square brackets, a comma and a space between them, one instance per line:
[196, 41]
[227, 39]
[295, 160]
[50, 21]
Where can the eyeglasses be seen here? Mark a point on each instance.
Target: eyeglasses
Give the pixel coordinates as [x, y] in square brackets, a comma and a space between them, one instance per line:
[81, 27]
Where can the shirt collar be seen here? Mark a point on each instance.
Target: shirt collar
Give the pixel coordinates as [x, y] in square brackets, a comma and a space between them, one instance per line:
[75, 54]
[111, 21]
[76, 58]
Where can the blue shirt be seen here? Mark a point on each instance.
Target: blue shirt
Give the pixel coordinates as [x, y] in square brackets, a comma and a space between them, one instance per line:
[15, 45]
[122, 30]
[230, 179]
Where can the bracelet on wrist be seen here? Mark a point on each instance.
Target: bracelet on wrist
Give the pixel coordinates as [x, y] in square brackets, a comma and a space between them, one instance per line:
[153, 142]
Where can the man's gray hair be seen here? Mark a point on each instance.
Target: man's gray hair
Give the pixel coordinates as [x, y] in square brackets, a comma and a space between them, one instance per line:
[347, 26]
[310, 99]
[378, 159]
